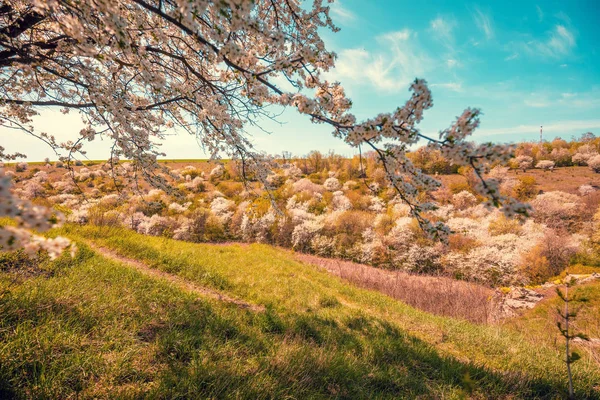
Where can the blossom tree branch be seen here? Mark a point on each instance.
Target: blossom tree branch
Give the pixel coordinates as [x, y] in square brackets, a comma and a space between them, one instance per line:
[136, 68]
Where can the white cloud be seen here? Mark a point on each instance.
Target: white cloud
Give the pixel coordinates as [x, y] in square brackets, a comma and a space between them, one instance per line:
[451, 63]
[554, 127]
[484, 23]
[393, 66]
[540, 13]
[559, 43]
[454, 86]
[513, 56]
[340, 13]
[442, 28]
[540, 103]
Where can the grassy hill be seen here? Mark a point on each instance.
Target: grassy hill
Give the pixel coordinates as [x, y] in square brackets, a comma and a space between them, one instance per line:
[244, 321]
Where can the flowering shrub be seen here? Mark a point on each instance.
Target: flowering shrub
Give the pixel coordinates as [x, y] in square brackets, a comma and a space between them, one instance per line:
[21, 166]
[27, 216]
[556, 208]
[463, 200]
[594, 163]
[222, 208]
[546, 165]
[308, 186]
[585, 190]
[305, 232]
[524, 162]
[583, 155]
[332, 184]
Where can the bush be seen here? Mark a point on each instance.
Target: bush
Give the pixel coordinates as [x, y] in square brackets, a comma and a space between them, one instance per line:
[594, 163]
[557, 209]
[523, 162]
[332, 184]
[536, 266]
[525, 188]
[230, 189]
[21, 167]
[352, 223]
[503, 226]
[457, 187]
[463, 200]
[546, 165]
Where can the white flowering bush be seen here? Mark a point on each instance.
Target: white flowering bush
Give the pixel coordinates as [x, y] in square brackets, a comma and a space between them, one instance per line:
[524, 162]
[484, 264]
[463, 200]
[546, 165]
[217, 172]
[332, 184]
[583, 154]
[339, 202]
[556, 207]
[304, 233]
[179, 208]
[499, 173]
[585, 190]
[21, 166]
[594, 163]
[27, 216]
[306, 185]
[222, 208]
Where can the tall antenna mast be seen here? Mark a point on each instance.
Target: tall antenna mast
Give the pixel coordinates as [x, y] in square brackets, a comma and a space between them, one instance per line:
[541, 134]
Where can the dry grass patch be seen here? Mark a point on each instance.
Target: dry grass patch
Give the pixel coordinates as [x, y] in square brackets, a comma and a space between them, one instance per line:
[437, 295]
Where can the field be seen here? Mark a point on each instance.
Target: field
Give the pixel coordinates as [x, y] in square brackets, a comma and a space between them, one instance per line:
[96, 327]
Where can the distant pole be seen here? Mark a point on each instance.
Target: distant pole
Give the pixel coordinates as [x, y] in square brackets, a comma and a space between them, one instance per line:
[541, 134]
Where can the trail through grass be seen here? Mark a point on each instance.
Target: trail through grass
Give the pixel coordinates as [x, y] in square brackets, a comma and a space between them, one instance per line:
[100, 328]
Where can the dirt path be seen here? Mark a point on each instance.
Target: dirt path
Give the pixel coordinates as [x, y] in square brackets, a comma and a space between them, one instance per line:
[180, 283]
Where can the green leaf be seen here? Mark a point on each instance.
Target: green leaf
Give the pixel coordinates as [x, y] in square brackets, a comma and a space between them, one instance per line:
[574, 357]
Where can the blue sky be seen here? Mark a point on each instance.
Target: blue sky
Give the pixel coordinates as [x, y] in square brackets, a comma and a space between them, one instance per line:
[524, 65]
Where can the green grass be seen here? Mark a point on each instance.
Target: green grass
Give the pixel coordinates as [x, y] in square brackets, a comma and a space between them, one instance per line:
[97, 328]
[540, 322]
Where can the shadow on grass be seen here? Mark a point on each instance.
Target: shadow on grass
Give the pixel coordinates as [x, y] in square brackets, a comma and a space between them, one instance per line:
[308, 356]
[201, 349]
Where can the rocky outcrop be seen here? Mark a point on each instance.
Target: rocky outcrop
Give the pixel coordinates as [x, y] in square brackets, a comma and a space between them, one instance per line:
[512, 302]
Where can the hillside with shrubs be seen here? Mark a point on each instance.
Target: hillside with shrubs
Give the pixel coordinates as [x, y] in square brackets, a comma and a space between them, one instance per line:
[285, 310]
[330, 206]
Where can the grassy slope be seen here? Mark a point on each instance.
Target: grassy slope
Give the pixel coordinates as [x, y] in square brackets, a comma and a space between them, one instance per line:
[103, 329]
[540, 322]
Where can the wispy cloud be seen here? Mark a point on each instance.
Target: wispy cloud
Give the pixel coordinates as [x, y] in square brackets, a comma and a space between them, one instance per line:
[554, 127]
[399, 61]
[558, 43]
[513, 56]
[453, 86]
[340, 13]
[451, 63]
[540, 13]
[484, 23]
[442, 28]
[585, 100]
